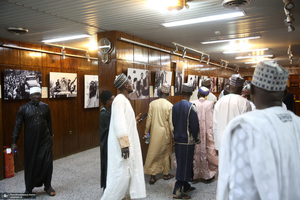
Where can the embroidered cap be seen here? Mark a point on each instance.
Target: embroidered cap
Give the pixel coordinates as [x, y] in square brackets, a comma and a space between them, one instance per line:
[204, 90]
[236, 80]
[165, 88]
[270, 76]
[206, 82]
[35, 90]
[105, 96]
[187, 88]
[120, 80]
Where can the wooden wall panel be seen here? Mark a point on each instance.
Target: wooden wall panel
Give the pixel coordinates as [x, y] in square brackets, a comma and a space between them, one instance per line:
[1, 136]
[9, 56]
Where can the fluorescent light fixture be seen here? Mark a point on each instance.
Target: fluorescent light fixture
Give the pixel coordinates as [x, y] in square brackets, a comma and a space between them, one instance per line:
[74, 37]
[257, 56]
[245, 51]
[205, 19]
[233, 39]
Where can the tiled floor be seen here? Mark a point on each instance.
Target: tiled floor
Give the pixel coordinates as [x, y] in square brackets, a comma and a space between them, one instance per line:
[78, 177]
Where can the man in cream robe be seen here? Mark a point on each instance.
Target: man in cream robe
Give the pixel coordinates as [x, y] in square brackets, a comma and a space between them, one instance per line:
[205, 156]
[125, 165]
[229, 107]
[260, 150]
[159, 124]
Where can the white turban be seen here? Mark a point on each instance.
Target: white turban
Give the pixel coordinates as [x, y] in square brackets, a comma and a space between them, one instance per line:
[35, 90]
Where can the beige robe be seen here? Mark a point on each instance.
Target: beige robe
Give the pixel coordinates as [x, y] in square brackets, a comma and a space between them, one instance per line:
[159, 125]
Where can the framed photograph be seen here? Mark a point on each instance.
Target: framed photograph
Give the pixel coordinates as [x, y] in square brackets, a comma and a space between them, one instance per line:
[161, 76]
[220, 84]
[179, 78]
[214, 82]
[140, 79]
[193, 80]
[91, 91]
[63, 85]
[17, 83]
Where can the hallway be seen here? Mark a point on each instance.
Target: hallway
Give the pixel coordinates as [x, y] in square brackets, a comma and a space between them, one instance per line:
[78, 177]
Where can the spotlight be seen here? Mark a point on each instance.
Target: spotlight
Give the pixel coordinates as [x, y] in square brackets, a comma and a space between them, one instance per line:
[63, 52]
[175, 50]
[290, 18]
[184, 52]
[288, 4]
[290, 28]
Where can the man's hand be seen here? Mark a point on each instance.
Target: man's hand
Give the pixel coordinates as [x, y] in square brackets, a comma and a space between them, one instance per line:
[14, 148]
[125, 152]
[137, 118]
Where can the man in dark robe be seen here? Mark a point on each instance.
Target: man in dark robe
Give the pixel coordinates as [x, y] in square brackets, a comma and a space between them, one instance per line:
[186, 134]
[38, 141]
[104, 120]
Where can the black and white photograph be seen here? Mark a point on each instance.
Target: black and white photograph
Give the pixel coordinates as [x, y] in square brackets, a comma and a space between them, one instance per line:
[17, 83]
[179, 78]
[91, 91]
[161, 76]
[193, 80]
[140, 79]
[220, 84]
[63, 85]
[213, 82]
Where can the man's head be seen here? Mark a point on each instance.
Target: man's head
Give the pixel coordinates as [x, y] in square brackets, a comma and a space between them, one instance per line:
[203, 92]
[187, 89]
[35, 94]
[164, 89]
[268, 84]
[206, 83]
[236, 84]
[122, 83]
[142, 75]
[107, 98]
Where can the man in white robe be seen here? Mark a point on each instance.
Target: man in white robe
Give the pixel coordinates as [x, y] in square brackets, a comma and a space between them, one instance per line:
[125, 164]
[229, 107]
[260, 150]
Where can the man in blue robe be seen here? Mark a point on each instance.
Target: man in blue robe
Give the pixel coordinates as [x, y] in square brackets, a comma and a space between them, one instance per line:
[186, 134]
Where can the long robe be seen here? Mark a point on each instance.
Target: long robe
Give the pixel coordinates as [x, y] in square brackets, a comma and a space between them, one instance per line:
[159, 124]
[227, 108]
[260, 156]
[205, 156]
[186, 134]
[104, 121]
[124, 174]
[38, 159]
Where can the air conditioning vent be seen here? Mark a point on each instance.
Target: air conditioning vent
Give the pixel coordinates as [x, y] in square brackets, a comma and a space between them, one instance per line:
[235, 3]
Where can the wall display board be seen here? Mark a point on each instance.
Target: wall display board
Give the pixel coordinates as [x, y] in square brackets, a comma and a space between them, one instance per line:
[161, 76]
[91, 91]
[140, 79]
[17, 83]
[63, 85]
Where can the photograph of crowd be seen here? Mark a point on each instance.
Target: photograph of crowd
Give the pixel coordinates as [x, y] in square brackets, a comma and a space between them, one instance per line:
[91, 94]
[63, 85]
[193, 80]
[140, 80]
[161, 76]
[17, 83]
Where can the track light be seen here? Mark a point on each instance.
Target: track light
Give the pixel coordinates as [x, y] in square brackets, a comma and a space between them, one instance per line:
[288, 4]
[175, 50]
[290, 28]
[88, 57]
[63, 52]
[184, 52]
[290, 18]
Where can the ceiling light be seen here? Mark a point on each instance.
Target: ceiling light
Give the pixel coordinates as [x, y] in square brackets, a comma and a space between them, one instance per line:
[290, 28]
[228, 40]
[205, 19]
[290, 18]
[245, 51]
[256, 56]
[66, 38]
[288, 4]
[177, 4]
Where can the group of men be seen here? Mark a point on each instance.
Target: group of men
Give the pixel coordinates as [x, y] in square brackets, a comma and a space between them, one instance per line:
[259, 151]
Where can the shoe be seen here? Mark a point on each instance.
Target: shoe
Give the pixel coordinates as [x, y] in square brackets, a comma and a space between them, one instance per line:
[182, 196]
[152, 180]
[169, 176]
[50, 191]
[189, 190]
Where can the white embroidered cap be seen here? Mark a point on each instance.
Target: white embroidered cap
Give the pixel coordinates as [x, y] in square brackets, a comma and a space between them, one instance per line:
[35, 90]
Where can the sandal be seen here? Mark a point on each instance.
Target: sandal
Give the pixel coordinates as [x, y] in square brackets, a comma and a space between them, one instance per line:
[182, 196]
[50, 191]
[169, 176]
[152, 180]
[190, 189]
